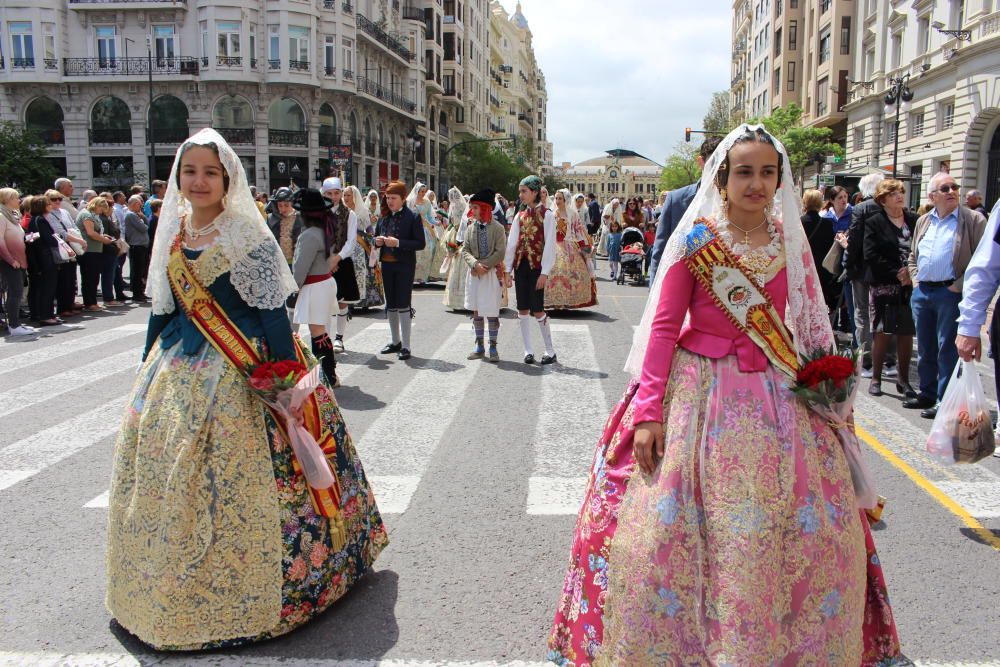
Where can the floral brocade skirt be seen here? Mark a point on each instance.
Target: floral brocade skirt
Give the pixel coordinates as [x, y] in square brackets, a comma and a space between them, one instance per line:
[213, 540]
[744, 547]
[458, 274]
[570, 283]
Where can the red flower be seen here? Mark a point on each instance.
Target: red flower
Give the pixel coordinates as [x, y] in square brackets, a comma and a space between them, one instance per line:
[282, 369]
[832, 367]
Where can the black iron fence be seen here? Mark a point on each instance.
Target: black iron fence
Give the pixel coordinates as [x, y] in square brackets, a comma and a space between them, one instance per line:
[287, 137]
[394, 45]
[129, 66]
[375, 89]
[246, 136]
[111, 136]
[167, 135]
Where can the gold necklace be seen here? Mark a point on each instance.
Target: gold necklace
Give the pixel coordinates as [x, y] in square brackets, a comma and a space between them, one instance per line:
[747, 232]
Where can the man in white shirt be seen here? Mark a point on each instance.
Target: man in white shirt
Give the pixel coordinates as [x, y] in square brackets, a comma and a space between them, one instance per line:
[341, 255]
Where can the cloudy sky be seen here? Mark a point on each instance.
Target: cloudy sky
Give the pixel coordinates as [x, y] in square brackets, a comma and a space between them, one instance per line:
[627, 73]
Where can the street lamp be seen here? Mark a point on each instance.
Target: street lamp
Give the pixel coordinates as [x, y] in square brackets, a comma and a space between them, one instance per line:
[899, 94]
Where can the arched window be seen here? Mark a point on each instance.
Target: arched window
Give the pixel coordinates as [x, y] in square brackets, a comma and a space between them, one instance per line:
[383, 149]
[369, 141]
[355, 141]
[232, 117]
[44, 117]
[286, 123]
[327, 126]
[110, 122]
[169, 120]
[393, 145]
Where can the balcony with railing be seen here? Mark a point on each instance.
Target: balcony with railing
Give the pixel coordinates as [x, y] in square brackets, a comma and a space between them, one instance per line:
[375, 33]
[348, 75]
[116, 136]
[129, 66]
[51, 64]
[348, 8]
[378, 91]
[243, 136]
[229, 61]
[507, 69]
[330, 71]
[411, 13]
[167, 135]
[143, 4]
[53, 136]
[22, 63]
[450, 91]
[287, 137]
[273, 64]
[298, 65]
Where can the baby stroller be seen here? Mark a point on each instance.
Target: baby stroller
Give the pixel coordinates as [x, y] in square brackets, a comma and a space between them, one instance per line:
[632, 256]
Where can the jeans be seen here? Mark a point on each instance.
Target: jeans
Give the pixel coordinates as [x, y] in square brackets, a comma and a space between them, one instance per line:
[109, 265]
[66, 287]
[862, 326]
[935, 310]
[13, 280]
[91, 264]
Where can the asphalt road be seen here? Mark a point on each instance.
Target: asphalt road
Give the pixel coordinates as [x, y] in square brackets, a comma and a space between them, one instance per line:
[478, 469]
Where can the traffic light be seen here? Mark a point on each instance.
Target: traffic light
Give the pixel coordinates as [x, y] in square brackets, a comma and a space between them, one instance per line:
[687, 134]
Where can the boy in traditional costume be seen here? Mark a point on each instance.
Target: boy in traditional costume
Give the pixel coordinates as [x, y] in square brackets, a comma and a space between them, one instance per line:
[531, 252]
[483, 253]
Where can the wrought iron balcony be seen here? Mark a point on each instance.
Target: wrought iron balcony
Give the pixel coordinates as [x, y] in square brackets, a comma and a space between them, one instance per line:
[449, 91]
[375, 32]
[123, 2]
[167, 135]
[507, 69]
[274, 64]
[253, 63]
[111, 136]
[330, 71]
[246, 136]
[299, 65]
[376, 90]
[51, 64]
[413, 13]
[348, 8]
[329, 4]
[287, 138]
[129, 66]
[229, 61]
[348, 75]
[22, 63]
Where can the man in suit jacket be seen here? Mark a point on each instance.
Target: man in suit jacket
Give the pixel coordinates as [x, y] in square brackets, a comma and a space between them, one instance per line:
[675, 206]
[594, 209]
[943, 243]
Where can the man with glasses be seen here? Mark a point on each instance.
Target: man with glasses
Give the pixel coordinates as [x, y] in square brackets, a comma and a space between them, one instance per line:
[943, 243]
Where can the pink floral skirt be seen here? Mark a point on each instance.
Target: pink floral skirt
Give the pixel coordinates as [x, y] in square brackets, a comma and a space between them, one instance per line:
[744, 547]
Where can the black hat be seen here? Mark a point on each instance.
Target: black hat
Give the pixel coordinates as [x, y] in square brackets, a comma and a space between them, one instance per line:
[282, 194]
[486, 196]
[309, 200]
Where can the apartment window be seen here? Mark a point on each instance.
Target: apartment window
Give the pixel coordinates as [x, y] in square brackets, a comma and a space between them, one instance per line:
[890, 132]
[791, 76]
[824, 45]
[253, 45]
[329, 56]
[204, 41]
[824, 6]
[22, 44]
[822, 93]
[777, 42]
[916, 124]
[347, 56]
[777, 79]
[958, 7]
[923, 36]
[845, 35]
[49, 46]
[274, 45]
[859, 138]
[107, 45]
[793, 4]
[869, 63]
[793, 35]
[947, 115]
[298, 45]
[897, 49]
[228, 39]
[778, 8]
[164, 43]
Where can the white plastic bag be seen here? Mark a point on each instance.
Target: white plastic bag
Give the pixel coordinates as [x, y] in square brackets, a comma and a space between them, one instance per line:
[962, 431]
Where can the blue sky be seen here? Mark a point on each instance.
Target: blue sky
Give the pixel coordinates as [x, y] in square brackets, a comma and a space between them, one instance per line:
[627, 73]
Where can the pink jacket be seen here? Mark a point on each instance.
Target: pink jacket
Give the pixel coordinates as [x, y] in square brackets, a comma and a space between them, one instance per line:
[708, 333]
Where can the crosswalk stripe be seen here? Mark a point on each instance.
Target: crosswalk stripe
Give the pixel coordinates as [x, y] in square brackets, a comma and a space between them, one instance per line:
[54, 659]
[567, 431]
[100, 501]
[53, 386]
[40, 353]
[400, 442]
[29, 456]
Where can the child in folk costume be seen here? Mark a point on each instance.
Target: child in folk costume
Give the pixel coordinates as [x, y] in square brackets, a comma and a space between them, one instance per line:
[483, 253]
[570, 284]
[454, 294]
[531, 252]
[366, 273]
[316, 303]
[342, 224]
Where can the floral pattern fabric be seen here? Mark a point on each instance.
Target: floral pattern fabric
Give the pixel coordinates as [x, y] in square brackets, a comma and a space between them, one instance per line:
[570, 283]
[213, 539]
[744, 547]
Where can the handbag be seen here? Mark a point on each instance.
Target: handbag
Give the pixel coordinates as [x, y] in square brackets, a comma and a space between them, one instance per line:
[122, 247]
[831, 262]
[62, 253]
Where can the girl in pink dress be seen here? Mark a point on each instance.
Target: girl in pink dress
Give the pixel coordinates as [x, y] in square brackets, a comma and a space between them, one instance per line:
[720, 525]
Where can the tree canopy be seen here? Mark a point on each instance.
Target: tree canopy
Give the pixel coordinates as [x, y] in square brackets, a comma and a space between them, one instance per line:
[805, 145]
[497, 165]
[719, 119]
[23, 160]
[680, 168]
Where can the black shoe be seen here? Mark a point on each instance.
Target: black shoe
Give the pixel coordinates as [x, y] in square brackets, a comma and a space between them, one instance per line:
[875, 389]
[529, 358]
[906, 390]
[929, 413]
[391, 347]
[546, 359]
[404, 354]
[921, 402]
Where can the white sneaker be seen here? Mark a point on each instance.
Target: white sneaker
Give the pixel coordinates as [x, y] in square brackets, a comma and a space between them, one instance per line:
[338, 345]
[23, 331]
[891, 371]
[866, 372]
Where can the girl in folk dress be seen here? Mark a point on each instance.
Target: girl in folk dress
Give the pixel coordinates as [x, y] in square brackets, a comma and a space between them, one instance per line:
[482, 256]
[720, 524]
[570, 284]
[418, 202]
[214, 538]
[368, 275]
[454, 295]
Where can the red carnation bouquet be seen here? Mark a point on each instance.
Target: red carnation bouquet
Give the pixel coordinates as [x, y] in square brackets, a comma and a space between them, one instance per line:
[827, 382]
[284, 386]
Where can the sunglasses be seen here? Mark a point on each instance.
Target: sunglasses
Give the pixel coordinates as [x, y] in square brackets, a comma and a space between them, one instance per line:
[945, 189]
[55, 199]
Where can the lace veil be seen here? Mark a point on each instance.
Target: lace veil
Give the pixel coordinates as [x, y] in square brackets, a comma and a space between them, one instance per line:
[806, 315]
[411, 199]
[258, 270]
[360, 208]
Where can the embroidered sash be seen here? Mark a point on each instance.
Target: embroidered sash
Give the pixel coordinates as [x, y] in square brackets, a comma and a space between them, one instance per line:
[733, 289]
[215, 325]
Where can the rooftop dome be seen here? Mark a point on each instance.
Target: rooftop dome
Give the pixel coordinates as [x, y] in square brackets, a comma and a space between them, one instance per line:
[519, 19]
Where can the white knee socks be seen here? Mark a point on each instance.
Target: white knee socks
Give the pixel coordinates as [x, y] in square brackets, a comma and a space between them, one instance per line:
[525, 322]
[543, 324]
[393, 316]
[342, 322]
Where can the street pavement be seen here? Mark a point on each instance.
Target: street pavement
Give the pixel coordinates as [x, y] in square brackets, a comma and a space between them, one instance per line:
[478, 469]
